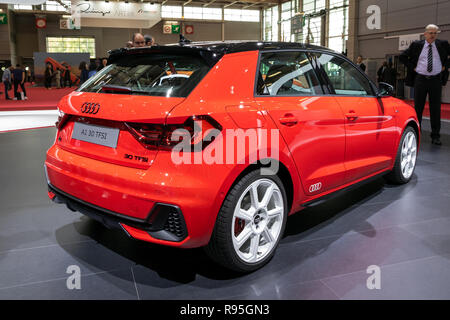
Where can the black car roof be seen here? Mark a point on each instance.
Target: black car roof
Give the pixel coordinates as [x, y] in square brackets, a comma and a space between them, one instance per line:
[239, 46]
[220, 47]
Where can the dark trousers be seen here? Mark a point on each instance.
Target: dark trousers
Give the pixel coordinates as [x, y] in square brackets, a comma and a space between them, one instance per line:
[433, 88]
[6, 84]
[68, 82]
[16, 86]
[48, 82]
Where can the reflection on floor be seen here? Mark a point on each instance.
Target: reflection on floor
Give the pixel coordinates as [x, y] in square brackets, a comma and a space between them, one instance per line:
[20, 120]
[325, 252]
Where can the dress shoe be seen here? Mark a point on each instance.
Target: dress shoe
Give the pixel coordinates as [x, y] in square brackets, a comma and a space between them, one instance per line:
[436, 141]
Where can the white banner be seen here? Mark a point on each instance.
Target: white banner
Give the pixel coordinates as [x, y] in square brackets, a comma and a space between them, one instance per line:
[24, 2]
[404, 41]
[114, 14]
[116, 10]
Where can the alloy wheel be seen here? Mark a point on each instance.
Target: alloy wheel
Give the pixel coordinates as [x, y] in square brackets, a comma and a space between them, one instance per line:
[257, 220]
[408, 155]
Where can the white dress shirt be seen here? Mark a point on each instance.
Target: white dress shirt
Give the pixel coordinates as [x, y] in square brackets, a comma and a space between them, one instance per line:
[422, 64]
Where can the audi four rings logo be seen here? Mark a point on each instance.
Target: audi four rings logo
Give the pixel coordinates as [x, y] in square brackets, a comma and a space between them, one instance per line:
[315, 187]
[90, 107]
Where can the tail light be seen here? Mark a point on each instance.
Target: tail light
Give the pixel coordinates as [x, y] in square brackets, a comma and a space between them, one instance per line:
[62, 119]
[196, 130]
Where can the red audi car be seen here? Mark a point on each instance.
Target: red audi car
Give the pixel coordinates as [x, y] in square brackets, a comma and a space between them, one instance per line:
[214, 144]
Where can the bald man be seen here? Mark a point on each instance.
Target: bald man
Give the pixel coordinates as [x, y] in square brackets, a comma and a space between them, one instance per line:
[138, 40]
[427, 62]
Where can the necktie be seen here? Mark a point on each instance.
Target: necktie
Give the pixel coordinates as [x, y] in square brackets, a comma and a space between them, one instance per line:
[430, 59]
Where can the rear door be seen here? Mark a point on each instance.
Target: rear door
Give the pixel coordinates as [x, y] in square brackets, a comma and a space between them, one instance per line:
[369, 124]
[311, 124]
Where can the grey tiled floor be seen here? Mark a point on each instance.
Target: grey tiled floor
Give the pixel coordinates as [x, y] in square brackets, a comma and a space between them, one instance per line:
[405, 230]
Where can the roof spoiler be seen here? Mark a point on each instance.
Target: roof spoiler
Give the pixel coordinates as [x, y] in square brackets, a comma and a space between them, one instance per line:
[210, 57]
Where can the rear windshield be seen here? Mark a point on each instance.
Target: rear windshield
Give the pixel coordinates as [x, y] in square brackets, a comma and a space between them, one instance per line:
[167, 75]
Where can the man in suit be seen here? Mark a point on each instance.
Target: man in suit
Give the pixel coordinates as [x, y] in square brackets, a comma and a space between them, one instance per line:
[427, 63]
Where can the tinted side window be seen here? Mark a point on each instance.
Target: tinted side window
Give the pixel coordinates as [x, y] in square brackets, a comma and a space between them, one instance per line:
[344, 77]
[286, 74]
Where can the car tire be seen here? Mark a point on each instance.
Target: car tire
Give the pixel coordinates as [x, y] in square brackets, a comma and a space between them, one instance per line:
[406, 158]
[247, 232]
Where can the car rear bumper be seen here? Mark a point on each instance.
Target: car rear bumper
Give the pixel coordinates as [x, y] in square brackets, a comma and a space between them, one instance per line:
[169, 204]
[165, 222]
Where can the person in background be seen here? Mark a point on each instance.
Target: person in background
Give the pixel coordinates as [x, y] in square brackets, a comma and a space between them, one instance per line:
[98, 64]
[129, 44]
[26, 69]
[6, 79]
[149, 40]
[48, 75]
[359, 63]
[84, 73]
[67, 78]
[427, 62]
[63, 75]
[29, 75]
[138, 40]
[103, 64]
[58, 78]
[18, 76]
[391, 75]
[381, 72]
[92, 69]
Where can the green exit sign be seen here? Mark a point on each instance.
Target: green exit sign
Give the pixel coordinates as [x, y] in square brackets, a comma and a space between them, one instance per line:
[3, 18]
[175, 28]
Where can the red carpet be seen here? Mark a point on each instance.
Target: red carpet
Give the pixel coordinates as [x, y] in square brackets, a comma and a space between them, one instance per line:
[445, 109]
[39, 98]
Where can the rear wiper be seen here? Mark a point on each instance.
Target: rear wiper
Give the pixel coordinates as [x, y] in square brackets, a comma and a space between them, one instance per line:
[120, 89]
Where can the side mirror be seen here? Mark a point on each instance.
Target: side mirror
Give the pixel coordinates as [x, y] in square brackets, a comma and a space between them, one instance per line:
[385, 89]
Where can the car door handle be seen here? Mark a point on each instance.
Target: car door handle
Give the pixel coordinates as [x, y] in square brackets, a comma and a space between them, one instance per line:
[288, 120]
[351, 116]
